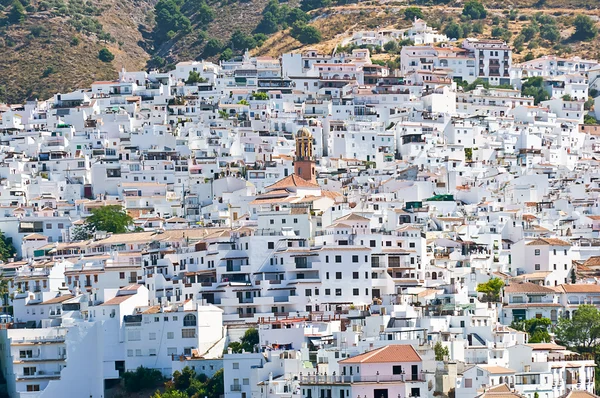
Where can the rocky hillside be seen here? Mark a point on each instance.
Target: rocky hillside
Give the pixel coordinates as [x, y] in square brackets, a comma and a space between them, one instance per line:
[55, 45]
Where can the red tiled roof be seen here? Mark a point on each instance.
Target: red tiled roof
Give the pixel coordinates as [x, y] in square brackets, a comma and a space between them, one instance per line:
[292, 181]
[548, 242]
[527, 287]
[389, 353]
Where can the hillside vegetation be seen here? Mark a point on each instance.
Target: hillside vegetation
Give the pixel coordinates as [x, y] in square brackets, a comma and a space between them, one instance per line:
[59, 45]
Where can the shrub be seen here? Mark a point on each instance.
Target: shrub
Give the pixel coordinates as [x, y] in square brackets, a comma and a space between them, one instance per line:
[105, 55]
[48, 71]
[75, 41]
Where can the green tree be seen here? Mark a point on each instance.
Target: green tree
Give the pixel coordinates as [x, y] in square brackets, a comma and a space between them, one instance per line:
[203, 13]
[105, 55]
[7, 250]
[169, 18]
[585, 28]
[469, 154]
[250, 339]
[213, 47]
[110, 219]
[530, 31]
[142, 378]
[260, 96]
[491, 289]
[242, 41]
[226, 55]
[268, 24]
[194, 77]
[82, 232]
[474, 10]
[582, 330]
[296, 15]
[308, 5]
[247, 342]
[550, 33]
[537, 328]
[305, 34]
[391, 46]
[411, 13]
[533, 87]
[589, 119]
[17, 13]
[453, 30]
[440, 351]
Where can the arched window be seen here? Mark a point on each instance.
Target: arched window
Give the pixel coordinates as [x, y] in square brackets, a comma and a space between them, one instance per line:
[433, 275]
[189, 320]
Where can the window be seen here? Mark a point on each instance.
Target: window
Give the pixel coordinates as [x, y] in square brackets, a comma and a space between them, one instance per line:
[156, 319]
[134, 335]
[355, 275]
[354, 259]
[33, 387]
[537, 252]
[171, 351]
[338, 275]
[396, 369]
[170, 335]
[236, 365]
[355, 292]
[338, 292]
[328, 292]
[537, 267]
[271, 245]
[129, 353]
[308, 292]
[246, 382]
[468, 383]
[138, 352]
[338, 259]
[152, 336]
[189, 320]
[121, 275]
[188, 333]
[152, 352]
[26, 354]
[29, 371]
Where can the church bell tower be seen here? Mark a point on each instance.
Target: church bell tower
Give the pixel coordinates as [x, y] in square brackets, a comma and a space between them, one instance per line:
[304, 162]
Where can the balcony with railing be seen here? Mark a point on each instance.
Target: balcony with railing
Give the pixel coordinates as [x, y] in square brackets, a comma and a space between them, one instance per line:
[349, 379]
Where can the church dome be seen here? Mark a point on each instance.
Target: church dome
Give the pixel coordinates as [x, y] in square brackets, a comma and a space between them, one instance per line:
[304, 132]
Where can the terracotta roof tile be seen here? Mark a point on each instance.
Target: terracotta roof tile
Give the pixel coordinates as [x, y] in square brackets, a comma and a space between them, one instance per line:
[527, 287]
[548, 242]
[292, 181]
[389, 353]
